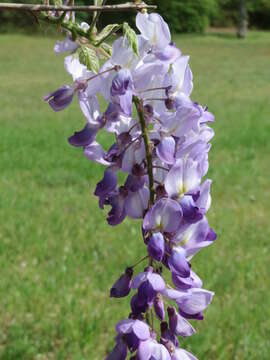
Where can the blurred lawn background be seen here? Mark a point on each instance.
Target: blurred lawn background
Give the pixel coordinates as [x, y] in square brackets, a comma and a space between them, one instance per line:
[58, 256]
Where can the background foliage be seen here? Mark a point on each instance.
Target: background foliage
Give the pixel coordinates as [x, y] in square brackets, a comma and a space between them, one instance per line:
[182, 15]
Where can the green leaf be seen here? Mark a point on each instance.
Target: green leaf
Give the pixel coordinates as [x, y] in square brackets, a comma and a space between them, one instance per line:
[98, 2]
[89, 58]
[131, 37]
[107, 48]
[106, 32]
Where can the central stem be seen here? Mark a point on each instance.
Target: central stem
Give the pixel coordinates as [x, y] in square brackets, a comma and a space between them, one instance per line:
[139, 107]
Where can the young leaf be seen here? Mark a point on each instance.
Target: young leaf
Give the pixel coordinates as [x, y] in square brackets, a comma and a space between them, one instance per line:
[88, 57]
[107, 48]
[131, 37]
[106, 32]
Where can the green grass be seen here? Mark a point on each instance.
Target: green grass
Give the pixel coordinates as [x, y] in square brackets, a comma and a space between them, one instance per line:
[58, 257]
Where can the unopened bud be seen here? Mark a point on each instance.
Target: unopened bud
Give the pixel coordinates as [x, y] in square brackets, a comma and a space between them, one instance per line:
[122, 286]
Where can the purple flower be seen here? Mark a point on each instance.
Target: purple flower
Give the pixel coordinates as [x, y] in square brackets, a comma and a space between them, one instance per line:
[180, 122]
[122, 286]
[136, 203]
[133, 155]
[194, 302]
[159, 307]
[191, 212]
[152, 350]
[90, 108]
[156, 246]
[120, 350]
[206, 116]
[204, 200]
[169, 54]
[167, 337]
[75, 68]
[155, 280]
[95, 152]
[61, 98]
[149, 285]
[137, 306]
[117, 213]
[134, 183]
[177, 262]
[179, 325]
[122, 90]
[84, 137]
[154, 29]
[113, 113]
[198, 152]
[146, 293]
[121, 83]
[170, 131]
[182, 178]
[164, 216]
[166, 150]
[123, 54]
[133, 331]
[180, 78]
[150, 73]
[114, 155]
[195, 237]
[193, 281]
[67, 45]
[173, 294]
[181, 354]
[174, 102]
[107, 184]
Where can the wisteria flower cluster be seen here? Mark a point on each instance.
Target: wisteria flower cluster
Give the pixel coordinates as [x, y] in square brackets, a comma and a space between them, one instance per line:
[161, 144]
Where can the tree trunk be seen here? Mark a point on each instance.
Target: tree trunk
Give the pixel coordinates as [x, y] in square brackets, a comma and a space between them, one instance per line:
[243, 19]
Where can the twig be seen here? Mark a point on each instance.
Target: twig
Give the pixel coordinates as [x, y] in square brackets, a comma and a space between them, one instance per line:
[96, 16]
[82, 8]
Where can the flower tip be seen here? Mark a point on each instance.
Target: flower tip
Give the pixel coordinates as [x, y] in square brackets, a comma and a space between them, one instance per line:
[46, 97]
[84, 137]
[211, 236]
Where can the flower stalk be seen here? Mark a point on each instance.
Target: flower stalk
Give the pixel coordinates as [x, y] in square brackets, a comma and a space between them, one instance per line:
[139, 107]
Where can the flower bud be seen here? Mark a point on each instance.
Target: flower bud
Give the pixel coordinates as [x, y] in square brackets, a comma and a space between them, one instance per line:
[137, 307]
[84, 137]
[61, 98]
[107, 184]
[121, 287]
[119, 352]
[156, 246]
[146, 293]
[178, 263]
[159, 307]
[167, 336]
[138, 170]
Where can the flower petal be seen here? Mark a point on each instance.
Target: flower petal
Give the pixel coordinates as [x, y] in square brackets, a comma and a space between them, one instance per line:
[165, 150]
[195, 301]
